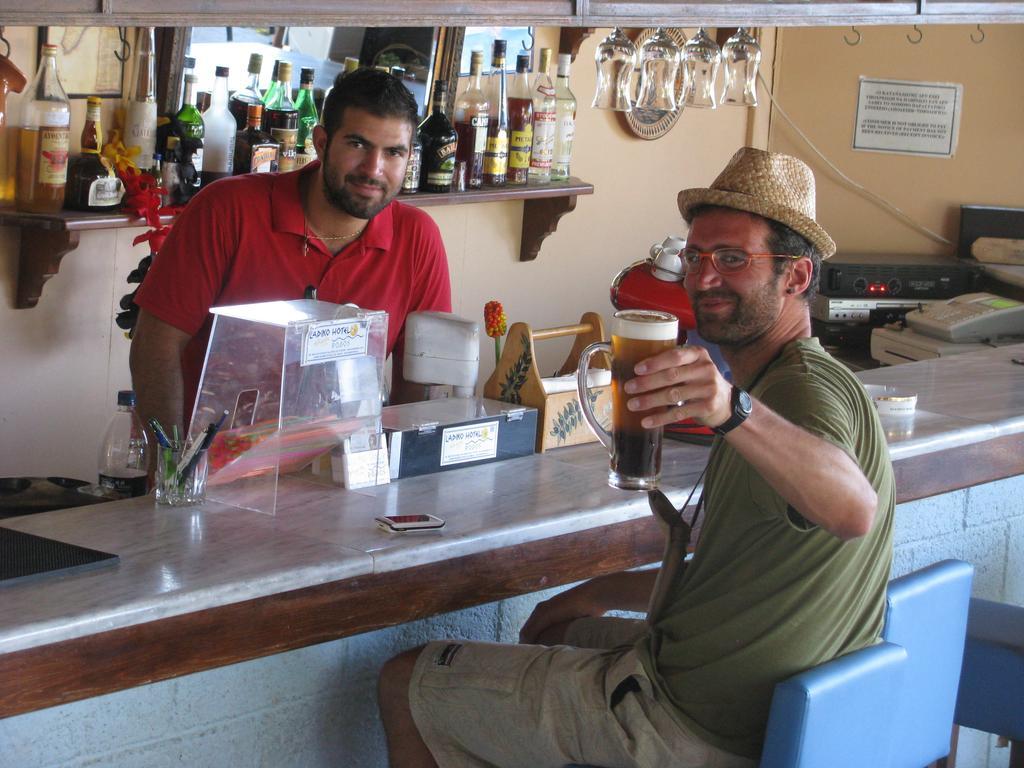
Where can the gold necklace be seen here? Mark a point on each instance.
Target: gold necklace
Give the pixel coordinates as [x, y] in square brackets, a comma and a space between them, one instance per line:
[305, 237]
[326, 238]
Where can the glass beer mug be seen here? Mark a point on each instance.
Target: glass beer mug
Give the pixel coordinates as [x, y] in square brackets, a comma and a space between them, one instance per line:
[635, 451]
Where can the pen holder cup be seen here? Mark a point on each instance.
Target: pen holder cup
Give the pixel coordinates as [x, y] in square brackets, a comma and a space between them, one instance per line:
[180, 486]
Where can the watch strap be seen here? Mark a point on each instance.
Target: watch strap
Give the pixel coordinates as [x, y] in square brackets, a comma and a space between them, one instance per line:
[739, 413]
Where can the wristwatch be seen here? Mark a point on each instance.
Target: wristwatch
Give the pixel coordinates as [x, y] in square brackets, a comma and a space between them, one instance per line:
[741, 408]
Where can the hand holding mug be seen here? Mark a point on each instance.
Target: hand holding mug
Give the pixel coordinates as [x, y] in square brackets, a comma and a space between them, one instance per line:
[676, 384]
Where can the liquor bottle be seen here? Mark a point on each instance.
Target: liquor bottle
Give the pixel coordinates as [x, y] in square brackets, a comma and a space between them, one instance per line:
[520, 119]
[11, 79]
[219, 141]
[255, 150]
[188, 69]
[192, 129]
[281, 118]
[411, 182]
[308, 118]
[565, 120]
[140, 115]
[274, 87]
[43, 140]
[496, 154]
[170, 172]
[124, 451]
[241, 99]
[471, 112]
[439, 143]
[93, 184]
[543, 122]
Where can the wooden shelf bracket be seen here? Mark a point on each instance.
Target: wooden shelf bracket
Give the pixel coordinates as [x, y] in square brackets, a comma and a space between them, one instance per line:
[39, 259]
[540, 219]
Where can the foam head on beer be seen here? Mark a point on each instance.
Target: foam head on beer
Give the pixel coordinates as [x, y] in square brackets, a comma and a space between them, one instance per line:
[645, 325]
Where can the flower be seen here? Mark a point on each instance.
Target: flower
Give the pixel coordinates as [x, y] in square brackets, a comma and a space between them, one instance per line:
[494, 319]
[496, 324]
[142, 199]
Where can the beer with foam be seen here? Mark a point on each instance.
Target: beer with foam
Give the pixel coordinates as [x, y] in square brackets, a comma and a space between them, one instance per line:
[637, 334]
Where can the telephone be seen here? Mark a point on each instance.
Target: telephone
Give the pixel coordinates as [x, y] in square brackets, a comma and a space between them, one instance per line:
[971, 317]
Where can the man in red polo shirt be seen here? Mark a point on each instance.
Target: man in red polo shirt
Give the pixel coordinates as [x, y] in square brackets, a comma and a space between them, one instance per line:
[333, 226]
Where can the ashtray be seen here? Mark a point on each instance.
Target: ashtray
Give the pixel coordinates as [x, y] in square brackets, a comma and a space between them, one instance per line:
[892, 401]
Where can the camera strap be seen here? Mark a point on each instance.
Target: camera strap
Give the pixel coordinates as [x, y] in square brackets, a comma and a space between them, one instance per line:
[679, 534]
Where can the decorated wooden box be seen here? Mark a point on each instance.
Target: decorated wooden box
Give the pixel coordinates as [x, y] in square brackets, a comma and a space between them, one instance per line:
[517, 379]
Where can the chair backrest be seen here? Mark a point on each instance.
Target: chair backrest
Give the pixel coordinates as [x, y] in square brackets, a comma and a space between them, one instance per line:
[926, 613]
[887, 706]
[837, 714]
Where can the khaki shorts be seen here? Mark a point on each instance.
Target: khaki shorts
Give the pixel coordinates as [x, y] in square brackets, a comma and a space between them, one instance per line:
[530, 706]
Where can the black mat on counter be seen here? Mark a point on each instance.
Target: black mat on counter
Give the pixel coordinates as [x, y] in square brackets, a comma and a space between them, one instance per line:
[27, 556]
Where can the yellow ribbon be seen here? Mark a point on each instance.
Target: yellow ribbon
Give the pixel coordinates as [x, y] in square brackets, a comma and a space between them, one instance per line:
[121, 156]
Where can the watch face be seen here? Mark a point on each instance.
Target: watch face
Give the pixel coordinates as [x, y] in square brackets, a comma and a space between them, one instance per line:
[744, 403]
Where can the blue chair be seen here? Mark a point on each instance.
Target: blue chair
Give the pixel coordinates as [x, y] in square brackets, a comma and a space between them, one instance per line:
[871, 707]
[991, 695]
[886, 706]
[836, 714]
[926, 613]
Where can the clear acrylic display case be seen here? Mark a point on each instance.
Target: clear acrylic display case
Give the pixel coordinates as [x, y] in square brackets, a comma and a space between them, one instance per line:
[296, 379]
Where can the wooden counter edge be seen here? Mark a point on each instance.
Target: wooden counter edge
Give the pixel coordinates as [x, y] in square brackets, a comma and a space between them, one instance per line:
[76, 669]
[122, 658]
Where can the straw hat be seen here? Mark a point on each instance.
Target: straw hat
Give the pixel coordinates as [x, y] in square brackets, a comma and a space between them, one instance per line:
[769, 184]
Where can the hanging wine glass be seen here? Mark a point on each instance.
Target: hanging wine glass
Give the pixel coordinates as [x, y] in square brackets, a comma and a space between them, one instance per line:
[741, 56]
[701, 56]
[615, 59]
[659, 65]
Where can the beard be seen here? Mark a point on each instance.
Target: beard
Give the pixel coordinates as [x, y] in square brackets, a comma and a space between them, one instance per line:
[342, 198]
[751, 316]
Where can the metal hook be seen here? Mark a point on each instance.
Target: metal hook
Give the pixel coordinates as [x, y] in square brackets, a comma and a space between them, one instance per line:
[856, 41]
[6, 42]
[126, 47]
[920, 36]
[978, 41]
[530, 32]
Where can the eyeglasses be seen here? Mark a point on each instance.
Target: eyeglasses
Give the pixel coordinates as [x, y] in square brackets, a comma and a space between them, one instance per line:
[727, 261]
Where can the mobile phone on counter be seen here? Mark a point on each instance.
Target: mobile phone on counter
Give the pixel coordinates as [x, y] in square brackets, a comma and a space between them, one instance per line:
[402, 523]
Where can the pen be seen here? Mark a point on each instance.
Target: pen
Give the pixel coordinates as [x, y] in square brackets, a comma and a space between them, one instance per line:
[158, 431]
[188, 461]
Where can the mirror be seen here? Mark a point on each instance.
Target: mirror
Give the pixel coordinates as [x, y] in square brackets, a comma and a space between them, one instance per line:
[423, 54]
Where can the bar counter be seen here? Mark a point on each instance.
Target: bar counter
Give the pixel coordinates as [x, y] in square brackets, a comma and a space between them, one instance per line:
[201, 587]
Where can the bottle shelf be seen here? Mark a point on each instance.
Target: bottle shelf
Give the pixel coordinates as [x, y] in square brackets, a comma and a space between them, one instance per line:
[47, 238]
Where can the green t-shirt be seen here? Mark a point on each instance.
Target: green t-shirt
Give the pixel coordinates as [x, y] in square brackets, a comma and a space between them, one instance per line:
[768, 595]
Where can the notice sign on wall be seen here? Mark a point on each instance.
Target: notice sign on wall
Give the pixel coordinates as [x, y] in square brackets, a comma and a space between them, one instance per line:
[908, 117]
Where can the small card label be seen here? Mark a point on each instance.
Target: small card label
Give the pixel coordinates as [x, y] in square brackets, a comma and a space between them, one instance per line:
[469, 443]
[363, 469]
[334, 340]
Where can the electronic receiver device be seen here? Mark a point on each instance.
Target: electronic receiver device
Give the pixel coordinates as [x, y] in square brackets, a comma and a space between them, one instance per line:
[906, 276]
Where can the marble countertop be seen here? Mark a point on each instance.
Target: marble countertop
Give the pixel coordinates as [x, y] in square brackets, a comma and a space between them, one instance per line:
[961, 399]
[176, 561]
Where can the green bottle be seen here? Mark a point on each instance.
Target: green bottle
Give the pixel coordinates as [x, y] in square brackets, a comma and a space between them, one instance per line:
[192, 128]
[306, 106]
[271, 95]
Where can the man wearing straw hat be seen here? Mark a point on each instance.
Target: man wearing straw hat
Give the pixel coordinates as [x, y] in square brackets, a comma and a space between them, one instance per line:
[793, 557]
